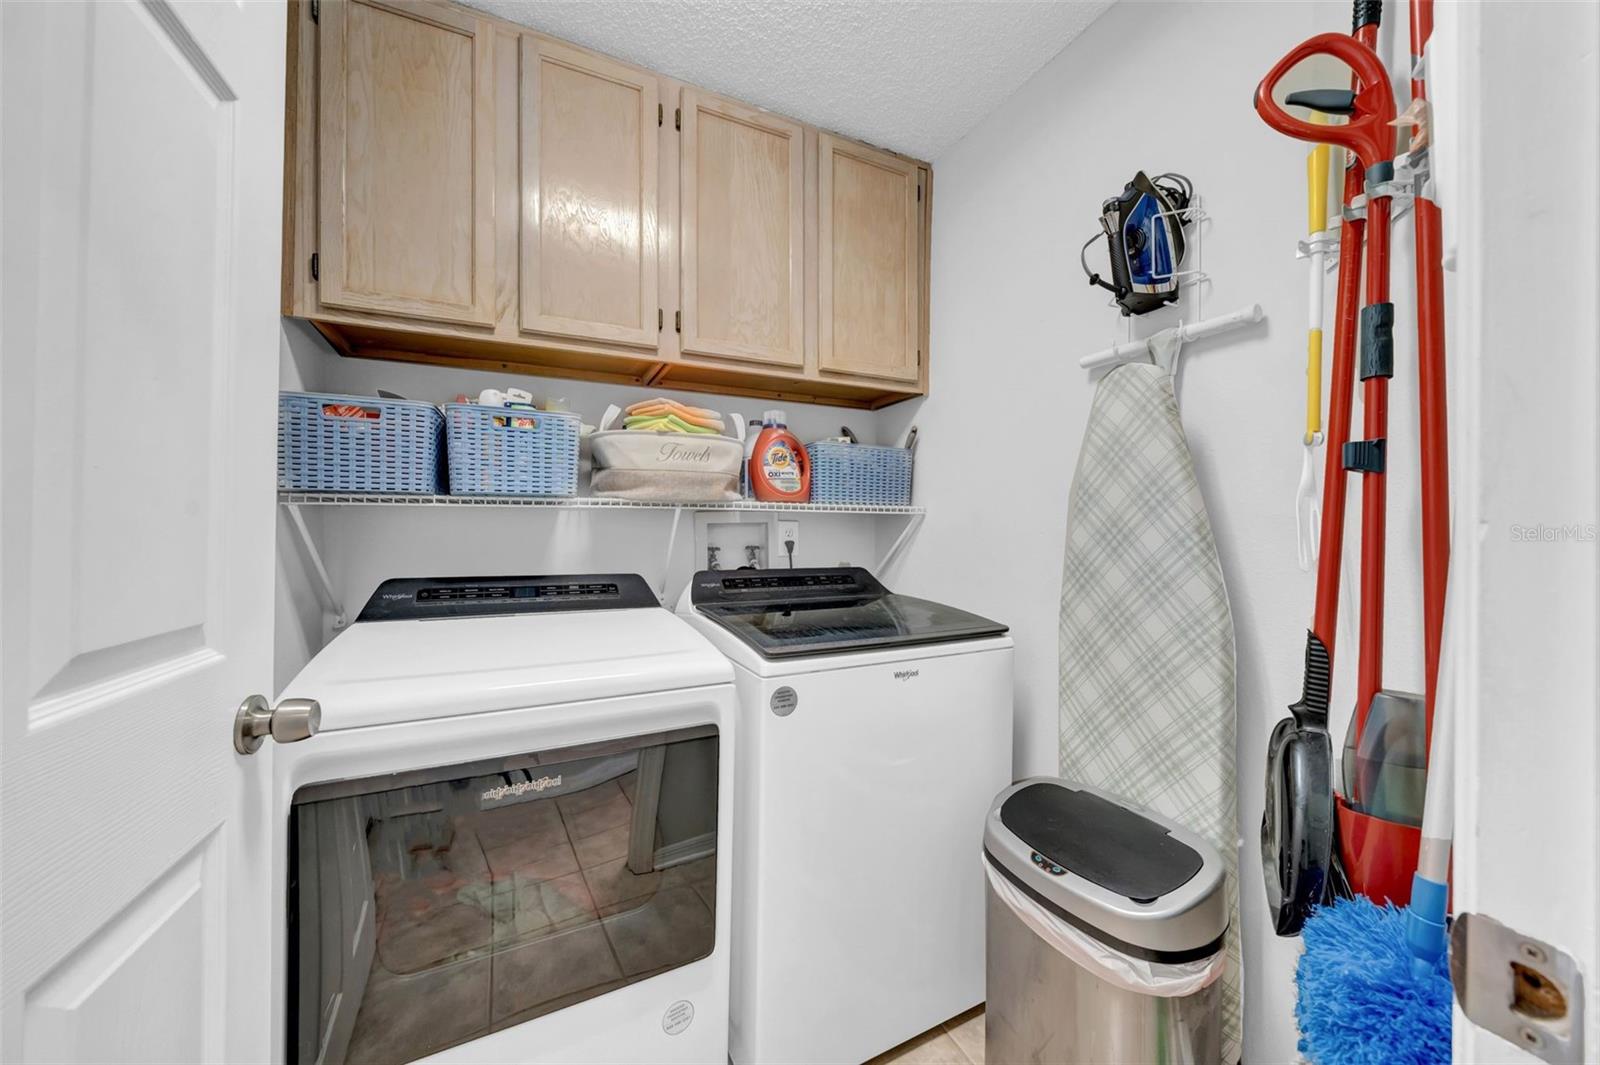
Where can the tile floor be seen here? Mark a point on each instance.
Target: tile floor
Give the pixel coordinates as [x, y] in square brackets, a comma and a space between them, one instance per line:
[958, 1041]
[495, 917]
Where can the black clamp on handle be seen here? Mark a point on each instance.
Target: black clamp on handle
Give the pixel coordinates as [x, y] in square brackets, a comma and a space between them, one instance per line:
[1364, 456]
[1377, 340]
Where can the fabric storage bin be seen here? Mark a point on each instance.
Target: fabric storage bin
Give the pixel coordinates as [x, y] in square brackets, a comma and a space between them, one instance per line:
[332, 443]
[666, 467]
[859, 473]
[509, 452]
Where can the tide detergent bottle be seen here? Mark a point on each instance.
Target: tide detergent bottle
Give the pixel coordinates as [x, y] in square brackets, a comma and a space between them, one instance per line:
[780, 470]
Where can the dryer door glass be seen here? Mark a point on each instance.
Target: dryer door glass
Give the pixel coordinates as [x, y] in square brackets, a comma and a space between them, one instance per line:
[430, 908]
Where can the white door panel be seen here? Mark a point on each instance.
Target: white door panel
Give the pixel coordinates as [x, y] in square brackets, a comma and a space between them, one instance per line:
[141, 147]
[136, 991]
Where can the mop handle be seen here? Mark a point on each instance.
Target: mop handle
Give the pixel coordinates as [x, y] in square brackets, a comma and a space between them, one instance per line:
[1369, 135]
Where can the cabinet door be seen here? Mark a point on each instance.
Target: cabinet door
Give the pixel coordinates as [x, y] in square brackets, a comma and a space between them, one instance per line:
[407, 154]
[742, 191]
[589, 148]
[869, 273]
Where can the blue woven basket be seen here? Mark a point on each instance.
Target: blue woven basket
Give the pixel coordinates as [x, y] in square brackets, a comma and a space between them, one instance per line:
[860, 473]
[329, 443]
[492, 453]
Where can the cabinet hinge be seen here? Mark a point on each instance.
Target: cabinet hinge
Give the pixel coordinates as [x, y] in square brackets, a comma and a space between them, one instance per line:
[661, 112]
[316, 10]
[677, 321]
[315, 274]
[677, 118]
[661, 319]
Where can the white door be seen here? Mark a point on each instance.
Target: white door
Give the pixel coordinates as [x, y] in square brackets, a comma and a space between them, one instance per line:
[1523, 336]
[141, 161]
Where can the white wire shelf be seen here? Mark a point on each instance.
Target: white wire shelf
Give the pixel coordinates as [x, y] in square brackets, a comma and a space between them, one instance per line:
[400, 499]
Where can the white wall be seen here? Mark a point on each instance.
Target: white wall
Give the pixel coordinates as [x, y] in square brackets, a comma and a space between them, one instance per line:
[362, 546]
[1163, 87]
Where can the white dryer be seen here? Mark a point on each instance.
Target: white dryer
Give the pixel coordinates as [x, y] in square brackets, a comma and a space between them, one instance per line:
[509, 839]
[875, 730]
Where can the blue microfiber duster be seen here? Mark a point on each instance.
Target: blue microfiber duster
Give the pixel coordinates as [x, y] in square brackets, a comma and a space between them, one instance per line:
[1359, 1001]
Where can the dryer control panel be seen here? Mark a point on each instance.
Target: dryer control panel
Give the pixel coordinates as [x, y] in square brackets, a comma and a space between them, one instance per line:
[410, 598]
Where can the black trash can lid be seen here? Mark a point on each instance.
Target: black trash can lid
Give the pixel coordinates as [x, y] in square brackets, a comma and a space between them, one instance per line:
[1102, 842]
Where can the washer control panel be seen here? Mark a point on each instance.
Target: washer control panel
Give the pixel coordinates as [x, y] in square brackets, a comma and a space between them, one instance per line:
[409, 598]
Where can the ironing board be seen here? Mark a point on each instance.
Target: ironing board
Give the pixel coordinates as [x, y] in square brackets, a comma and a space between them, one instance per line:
[1147, 665]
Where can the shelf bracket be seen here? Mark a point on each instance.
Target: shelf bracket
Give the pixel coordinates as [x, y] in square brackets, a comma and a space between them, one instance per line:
[330, 596]
[913, 523]
[666, 567]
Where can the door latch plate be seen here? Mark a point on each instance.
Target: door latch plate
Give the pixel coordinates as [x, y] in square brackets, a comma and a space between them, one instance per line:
[1522, 989]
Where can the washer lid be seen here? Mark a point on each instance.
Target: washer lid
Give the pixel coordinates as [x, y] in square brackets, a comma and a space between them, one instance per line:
[383, 673]
[803, 613]
[1136, 881]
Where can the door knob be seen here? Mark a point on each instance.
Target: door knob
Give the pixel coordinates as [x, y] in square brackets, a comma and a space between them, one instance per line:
[291, 721]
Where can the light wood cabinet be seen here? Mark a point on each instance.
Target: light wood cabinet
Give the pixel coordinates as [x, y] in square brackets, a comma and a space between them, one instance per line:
[406, 122]
[869, 262]
[467, 192]
[589, 184]
[742, 220]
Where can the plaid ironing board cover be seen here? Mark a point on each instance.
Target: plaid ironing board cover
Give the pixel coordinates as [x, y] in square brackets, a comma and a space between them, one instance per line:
[1147, 658]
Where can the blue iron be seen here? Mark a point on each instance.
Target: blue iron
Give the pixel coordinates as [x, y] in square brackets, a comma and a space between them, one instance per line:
[1143, 228]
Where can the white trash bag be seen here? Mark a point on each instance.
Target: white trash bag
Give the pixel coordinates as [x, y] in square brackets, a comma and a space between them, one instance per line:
[1160, 979]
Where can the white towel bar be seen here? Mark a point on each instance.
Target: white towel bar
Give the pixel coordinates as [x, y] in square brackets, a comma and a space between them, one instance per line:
[1139, 349]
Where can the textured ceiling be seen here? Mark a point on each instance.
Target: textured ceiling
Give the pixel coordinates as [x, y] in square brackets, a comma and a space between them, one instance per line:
[912, 75]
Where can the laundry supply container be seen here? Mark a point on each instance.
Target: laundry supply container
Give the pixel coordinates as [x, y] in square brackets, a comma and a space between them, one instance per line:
[511, 451]
[1105, 927]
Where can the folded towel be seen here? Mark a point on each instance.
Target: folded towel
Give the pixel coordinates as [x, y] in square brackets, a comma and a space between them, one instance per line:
[663, 401]
[670, 423]
[659, 408]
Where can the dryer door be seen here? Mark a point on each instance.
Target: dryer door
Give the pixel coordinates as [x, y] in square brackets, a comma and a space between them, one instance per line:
[432, 907]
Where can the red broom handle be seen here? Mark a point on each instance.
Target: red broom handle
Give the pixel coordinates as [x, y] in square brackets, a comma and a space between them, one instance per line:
[1374, 485]
[1335, 480]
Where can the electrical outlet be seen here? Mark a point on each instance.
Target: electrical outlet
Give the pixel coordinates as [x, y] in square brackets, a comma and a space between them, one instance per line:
[788, 545]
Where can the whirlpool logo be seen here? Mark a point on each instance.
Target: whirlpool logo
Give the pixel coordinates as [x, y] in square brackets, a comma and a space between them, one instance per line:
[906, 674]
[521, 787]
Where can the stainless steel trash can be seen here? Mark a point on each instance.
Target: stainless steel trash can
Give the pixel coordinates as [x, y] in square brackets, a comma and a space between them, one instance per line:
[1105, 927]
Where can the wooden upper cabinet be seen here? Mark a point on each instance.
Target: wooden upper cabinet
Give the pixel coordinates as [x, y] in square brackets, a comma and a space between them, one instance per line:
[589, 134]
[742, 212]
[869, 268]
[405, 184]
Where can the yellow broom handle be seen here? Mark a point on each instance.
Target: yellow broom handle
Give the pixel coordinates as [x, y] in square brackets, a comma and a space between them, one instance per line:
[1316, 222]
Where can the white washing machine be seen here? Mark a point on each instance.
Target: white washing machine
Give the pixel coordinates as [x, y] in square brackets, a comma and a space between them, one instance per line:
[509, 838]
[874, 732]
